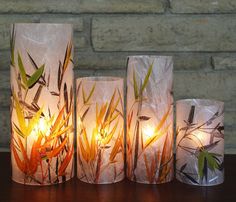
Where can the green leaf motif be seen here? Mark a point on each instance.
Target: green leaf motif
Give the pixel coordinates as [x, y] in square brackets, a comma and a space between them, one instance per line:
[19, 114]
[22, 70]
[91, 93]
[145, 82]
[25, 128]
[147, 77]
[135, 86]
[211, 159]
[12, 45]
[201, 163]
[35, 77]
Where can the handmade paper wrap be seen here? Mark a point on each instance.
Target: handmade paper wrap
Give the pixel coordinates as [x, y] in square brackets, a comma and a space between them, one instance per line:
[100, 129]
[42, 103]
[149, 119]
[200, 142]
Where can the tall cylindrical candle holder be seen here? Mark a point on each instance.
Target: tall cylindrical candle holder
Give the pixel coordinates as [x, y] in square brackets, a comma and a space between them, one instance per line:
[200, 142]
[42, 103]
[149, 141]
[100, 129]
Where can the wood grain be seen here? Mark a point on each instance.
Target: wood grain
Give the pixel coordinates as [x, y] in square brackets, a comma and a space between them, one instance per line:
[124, 191]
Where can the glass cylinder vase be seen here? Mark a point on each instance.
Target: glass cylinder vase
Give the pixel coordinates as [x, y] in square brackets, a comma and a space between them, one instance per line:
[41, 103]
[149, 140]
[100, 129]
[200, 142]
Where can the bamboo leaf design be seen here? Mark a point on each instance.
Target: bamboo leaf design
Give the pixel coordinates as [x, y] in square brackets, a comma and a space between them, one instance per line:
[67, 57]
[66, 98]
[144, 118]
[66, 162]
[135, 85]
[116, 147]
[161, 123]
[145, 82]
[84, 96]
[58, 149]
[84, 114]
[86, 99]
[20, 163]
[22, 70]
[35, 155]
[206, 160]
[91, 93]
[190, 178]
[201, 158]
[35, 77]
[20, 115]
[12, 45]
[191, 115]
[108, 138]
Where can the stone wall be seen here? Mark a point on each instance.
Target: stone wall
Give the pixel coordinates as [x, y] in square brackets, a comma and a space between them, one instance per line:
[201, 35]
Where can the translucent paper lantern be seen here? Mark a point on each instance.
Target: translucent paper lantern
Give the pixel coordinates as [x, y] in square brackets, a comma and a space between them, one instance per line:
[100, 129]
[200, 142]
[149, 119]
[42, 103]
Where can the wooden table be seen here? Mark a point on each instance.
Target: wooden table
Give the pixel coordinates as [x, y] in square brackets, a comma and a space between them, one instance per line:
[124, 191]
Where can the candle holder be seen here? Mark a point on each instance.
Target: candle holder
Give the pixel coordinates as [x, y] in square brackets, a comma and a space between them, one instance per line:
[200, 142]
[149, 140]
[41, 103]
[100, 129]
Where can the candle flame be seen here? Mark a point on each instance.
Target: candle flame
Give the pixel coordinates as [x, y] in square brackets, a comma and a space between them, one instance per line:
[41, 128]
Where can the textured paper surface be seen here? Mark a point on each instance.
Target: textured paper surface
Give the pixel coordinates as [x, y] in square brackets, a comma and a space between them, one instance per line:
[100, 129]
[42, 103]
[200, 142]
[149, 119]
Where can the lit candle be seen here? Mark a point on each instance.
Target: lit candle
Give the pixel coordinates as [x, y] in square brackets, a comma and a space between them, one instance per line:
[100, 129]
[42, 103]
[149, 119]
[200, 142]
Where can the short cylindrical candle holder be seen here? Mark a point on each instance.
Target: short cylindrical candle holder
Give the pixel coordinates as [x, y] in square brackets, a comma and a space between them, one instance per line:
[149, 140]
[42, 103]
[200, 142]
[100, 129]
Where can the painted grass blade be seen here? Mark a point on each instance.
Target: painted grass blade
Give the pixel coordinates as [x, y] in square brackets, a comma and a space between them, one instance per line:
[90, 94]
[117, 145]
[161, 123]
[20, 115]
[66, 162]
[58, 149]
[22, 70]
[135, 85]
[145, 82]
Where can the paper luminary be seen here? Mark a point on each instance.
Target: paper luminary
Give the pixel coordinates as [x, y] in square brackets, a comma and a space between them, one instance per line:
[42, 103]
[149, 138]
[200, 142]
[100, 129]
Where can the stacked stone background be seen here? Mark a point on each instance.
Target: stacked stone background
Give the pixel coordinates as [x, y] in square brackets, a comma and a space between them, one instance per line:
[201, 35]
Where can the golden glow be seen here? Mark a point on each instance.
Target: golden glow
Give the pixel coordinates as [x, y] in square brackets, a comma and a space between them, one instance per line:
[98, 137]
[148, 131]
[42, 127]
[101, 135]
[200, 135]
[201, 138]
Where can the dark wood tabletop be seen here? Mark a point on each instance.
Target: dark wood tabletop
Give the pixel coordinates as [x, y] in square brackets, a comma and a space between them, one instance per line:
[124, 191]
